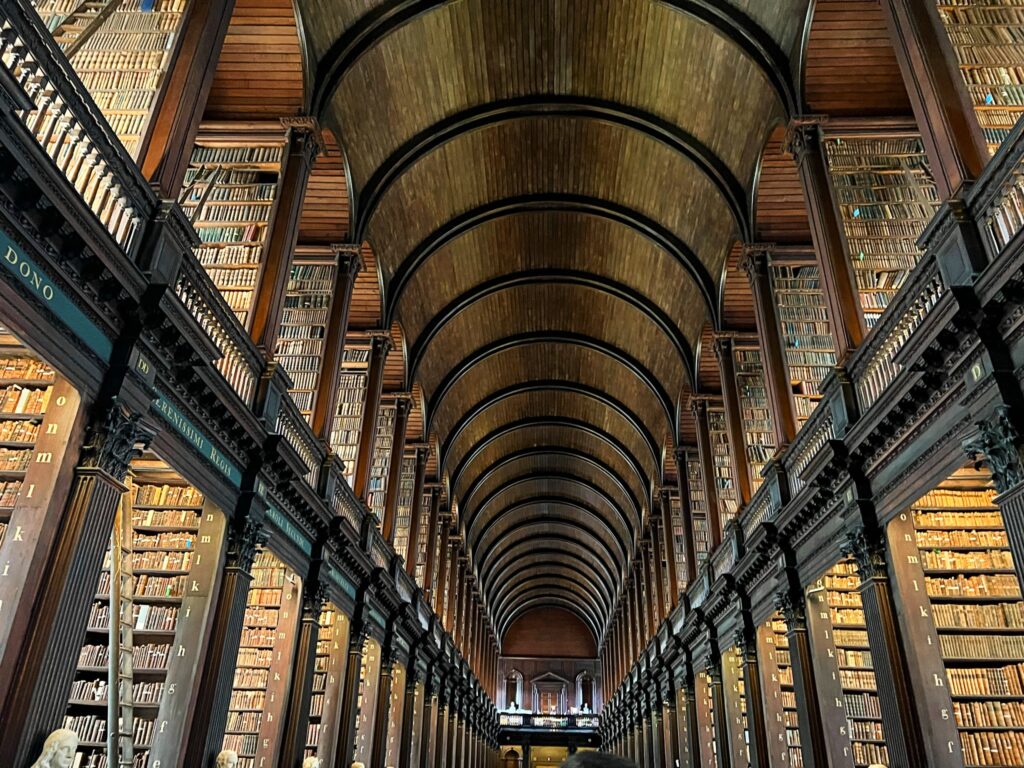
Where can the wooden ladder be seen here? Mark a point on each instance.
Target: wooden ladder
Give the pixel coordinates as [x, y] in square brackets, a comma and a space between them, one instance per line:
[120, 709]
[82, 23]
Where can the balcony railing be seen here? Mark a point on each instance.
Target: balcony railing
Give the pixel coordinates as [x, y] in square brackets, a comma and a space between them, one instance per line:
[61, 117]
[550, 722]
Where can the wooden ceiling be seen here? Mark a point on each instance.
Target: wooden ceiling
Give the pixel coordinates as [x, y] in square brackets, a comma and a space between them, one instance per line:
[552, 196]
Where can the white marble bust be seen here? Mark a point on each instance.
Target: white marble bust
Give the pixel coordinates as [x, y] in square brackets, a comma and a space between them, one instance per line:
[311, 762]
[58, 750]
[227, 759]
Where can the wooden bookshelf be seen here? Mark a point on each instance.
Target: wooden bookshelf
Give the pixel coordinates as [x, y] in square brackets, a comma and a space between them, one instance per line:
[840, 639]
[397, 713]
[978, 615]
[124, 63]
[678, 535]
[698, 507]
[737, 726]
[231, 186]
[806, 334]
[424, 544]
[987, 40]
[708, 734]
[366, 702]
[781, 717]
[406, 481]
[728, 505]
[758, 432]
[262, 668]
[165, 563]
[300, 343]
[380, 459]
[348, 419]
[328, 675]
[886, 197]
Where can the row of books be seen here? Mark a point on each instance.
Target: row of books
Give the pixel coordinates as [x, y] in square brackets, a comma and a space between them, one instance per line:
[998, 714]
[994, 559]
[982, 646]
[984, 585]
[20, 431]
[16, 400]
[14, 460]
[25, 369]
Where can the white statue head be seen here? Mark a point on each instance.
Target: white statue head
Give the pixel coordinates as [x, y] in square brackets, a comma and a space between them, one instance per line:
[358, 765]
[58, 750]
[311, 762]
[227, 759]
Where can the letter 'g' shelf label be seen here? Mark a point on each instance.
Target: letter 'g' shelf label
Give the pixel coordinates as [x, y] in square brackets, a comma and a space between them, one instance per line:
[32, 277]
[184, 427]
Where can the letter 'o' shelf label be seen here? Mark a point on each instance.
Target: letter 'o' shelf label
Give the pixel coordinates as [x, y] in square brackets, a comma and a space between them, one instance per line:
[32, 277]
[184, 427]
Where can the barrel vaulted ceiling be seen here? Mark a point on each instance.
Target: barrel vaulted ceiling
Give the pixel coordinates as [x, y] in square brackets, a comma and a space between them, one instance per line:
[552, 189]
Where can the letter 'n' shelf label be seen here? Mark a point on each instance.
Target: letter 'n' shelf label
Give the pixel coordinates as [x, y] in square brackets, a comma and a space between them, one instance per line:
[184, 427]
[30, 275]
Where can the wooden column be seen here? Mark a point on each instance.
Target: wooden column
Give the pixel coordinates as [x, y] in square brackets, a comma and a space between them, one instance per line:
[903, 733]
[404, 756]
[693, 748]
[303, 667]
[651, 590]
[672, 755]
[658, 551]
[402, 407]
[164, 157]
[348, 264]
[707, 466]
[428, 725]
[686, 511]
[350, 690]
[746, 642]
[381, 720]
[804, 141]
[216, 681]
[956, 146]
[442, 521]
[304, 144]
[669, 543]
[453, 588]
[640, 621]
[451, 749]
[757, 264]
[656, 749]
[412, 551]
[37, 698]
[725, 350]
[814, 745]
[647, 740]
[440, 741]
[380, 345]
[721, 712]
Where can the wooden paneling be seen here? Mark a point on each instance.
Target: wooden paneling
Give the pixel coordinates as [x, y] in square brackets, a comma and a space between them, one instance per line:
[325, 211]
[851, 66]
[709, 377]
[549, 633]
[394, 365]
[259, 73]
[737, 301]
[366, 301]
[781, 213]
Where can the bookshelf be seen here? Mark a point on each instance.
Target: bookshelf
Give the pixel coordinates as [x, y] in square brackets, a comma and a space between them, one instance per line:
[300, 343]
[838, 626]
[26, 389]
[164, 534]
[978, 617]
[403, 519]
[806, 334]
[886, 198]
[124, 64]
[259, 695]
[351, 399]
[328, 675]
[678, 536]
[722, 458]
[396, 709]
[698, 507]
[424, 544]
[230, 189]
[366, 702]
[781, 716]
[708, 728]
[737, 727]
[986, 38]
[380, 459]
[758, 432]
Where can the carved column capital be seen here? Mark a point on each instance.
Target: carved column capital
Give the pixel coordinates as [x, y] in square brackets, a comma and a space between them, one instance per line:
[803, 135]
[997, 445]
[314, 597]
[244, 538]
[868, 551]
[745, 643]
[380, 342]
[309, 129]
[348, 257]
[756, 260]
[111, 438]
[724, 343]
[791, 606]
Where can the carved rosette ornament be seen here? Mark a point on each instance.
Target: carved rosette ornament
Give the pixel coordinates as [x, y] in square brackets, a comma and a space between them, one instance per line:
[997, 444]
[869, 553]
[792, 608]
[243, 541]
[111, 439]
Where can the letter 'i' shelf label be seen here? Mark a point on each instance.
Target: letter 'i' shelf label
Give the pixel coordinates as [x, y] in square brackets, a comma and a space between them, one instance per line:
[184, 427]
[17, 263]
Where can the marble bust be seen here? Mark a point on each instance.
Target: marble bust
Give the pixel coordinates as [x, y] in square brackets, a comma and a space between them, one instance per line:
[58, 750]
[311, 762]
[227, 759]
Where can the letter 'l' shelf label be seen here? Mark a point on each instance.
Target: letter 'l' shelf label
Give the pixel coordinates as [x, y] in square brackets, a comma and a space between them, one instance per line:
[38, 283]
